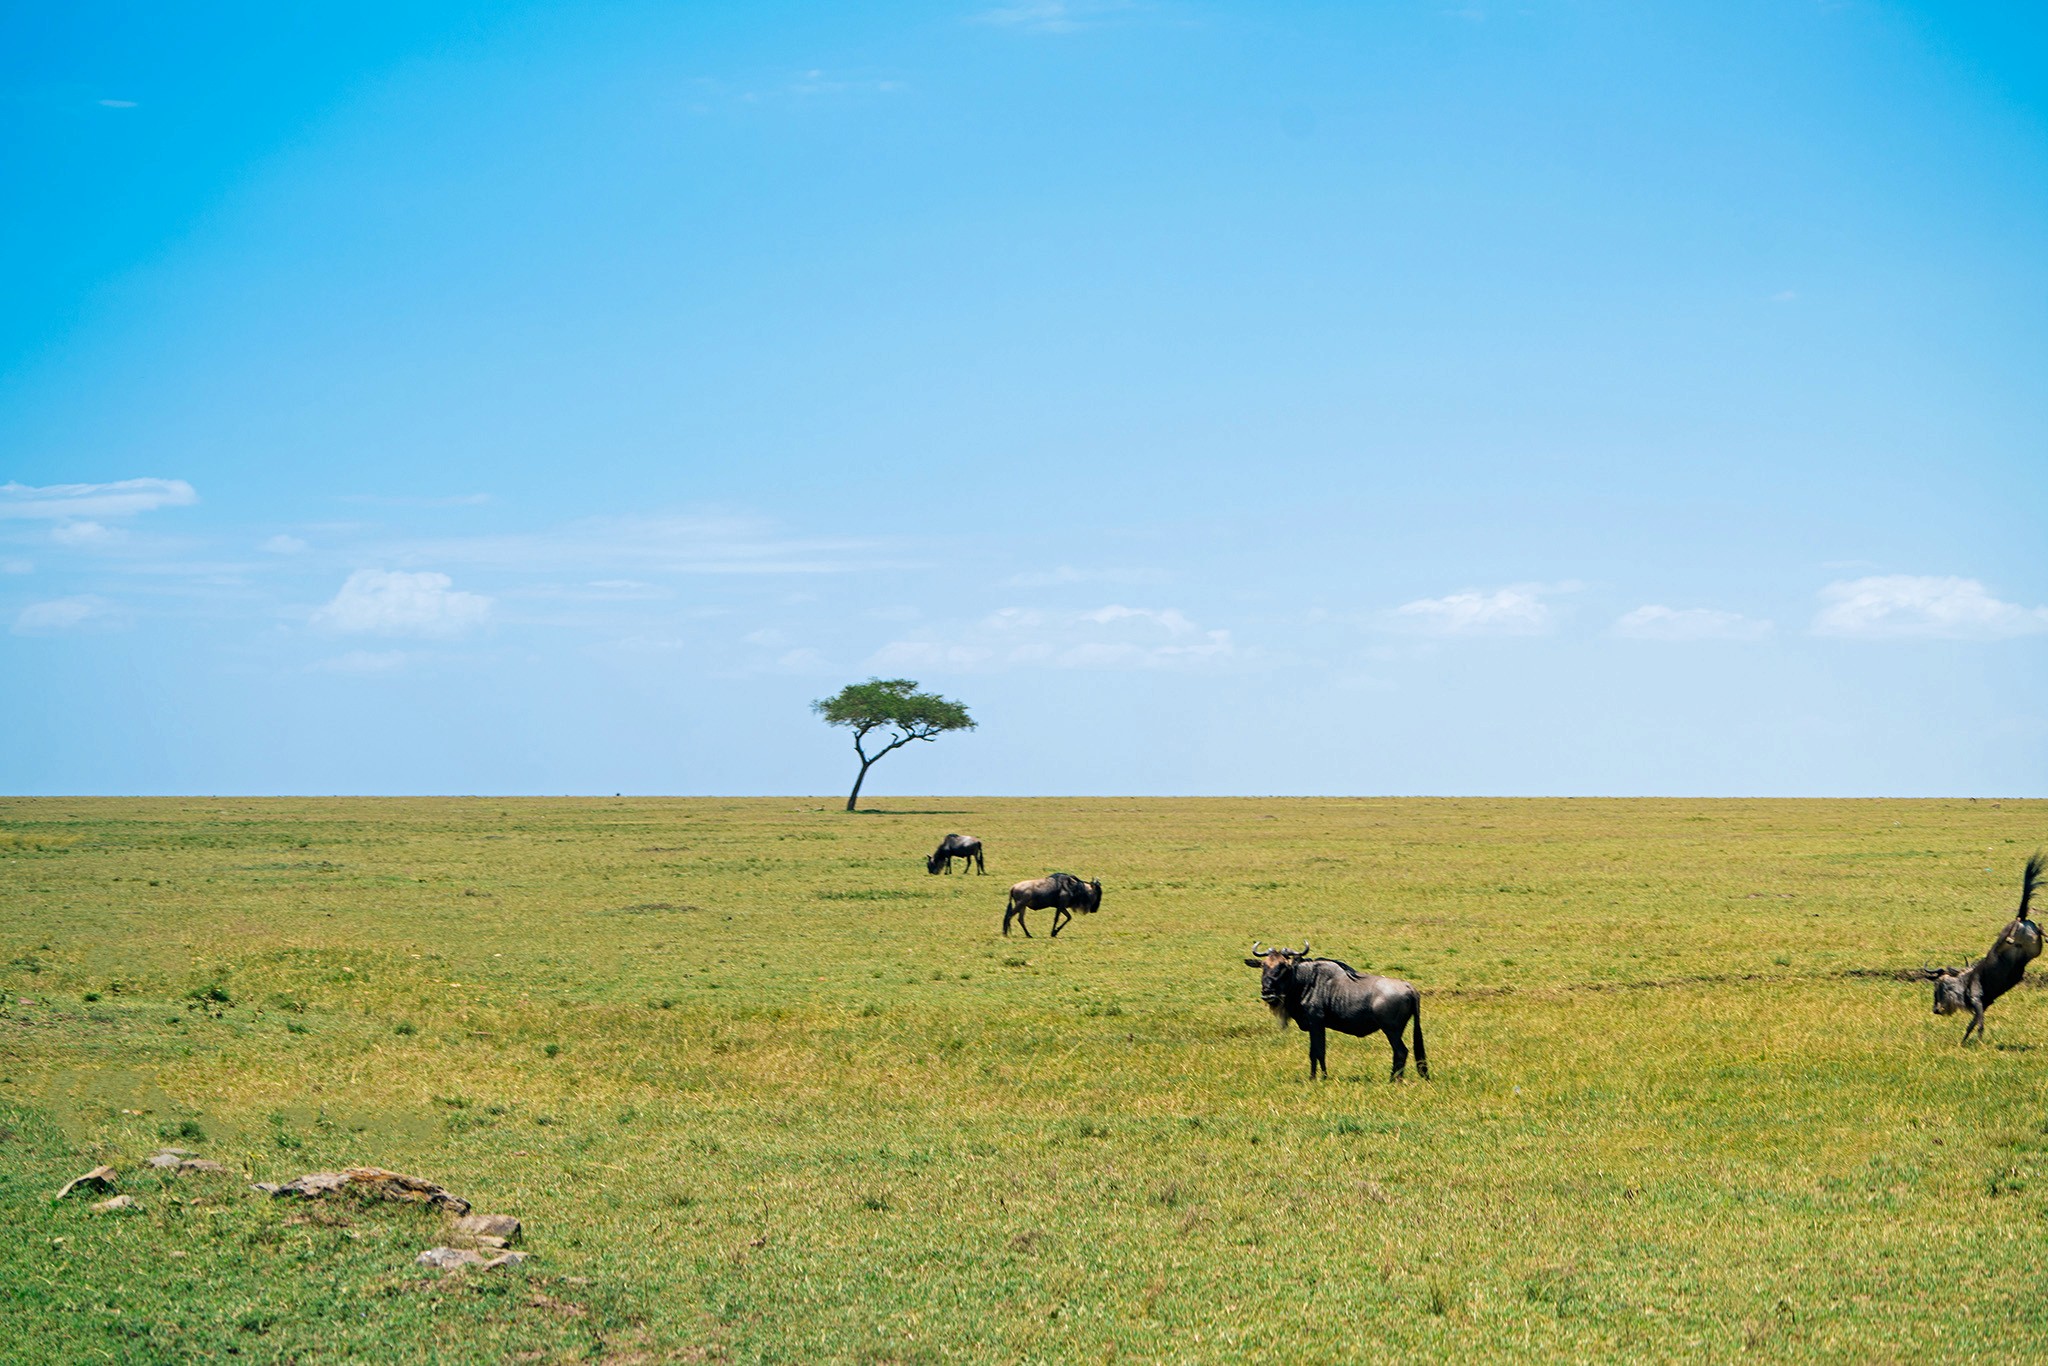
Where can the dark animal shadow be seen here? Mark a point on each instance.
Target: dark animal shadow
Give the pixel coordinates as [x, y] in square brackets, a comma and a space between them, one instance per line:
[2014, 1047]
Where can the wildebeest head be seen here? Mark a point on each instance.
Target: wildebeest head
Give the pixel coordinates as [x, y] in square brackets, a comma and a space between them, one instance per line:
[1276, 974]
[1948, 992]
[936, 862]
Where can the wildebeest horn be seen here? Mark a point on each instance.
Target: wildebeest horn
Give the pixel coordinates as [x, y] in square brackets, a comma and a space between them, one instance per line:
[1304, 950]
[1258, 949]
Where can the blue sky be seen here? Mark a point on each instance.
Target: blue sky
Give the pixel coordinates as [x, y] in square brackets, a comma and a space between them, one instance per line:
[1556, 398]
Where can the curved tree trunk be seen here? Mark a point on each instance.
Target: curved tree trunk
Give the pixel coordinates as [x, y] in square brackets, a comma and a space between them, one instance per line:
[854, 795]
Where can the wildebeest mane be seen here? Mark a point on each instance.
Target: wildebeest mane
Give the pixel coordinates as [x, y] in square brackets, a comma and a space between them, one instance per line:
[1356, 975]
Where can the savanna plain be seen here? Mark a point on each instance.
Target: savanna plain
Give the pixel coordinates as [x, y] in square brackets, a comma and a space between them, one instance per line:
[763, 1090]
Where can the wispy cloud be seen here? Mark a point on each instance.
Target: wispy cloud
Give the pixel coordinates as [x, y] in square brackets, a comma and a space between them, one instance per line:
[17, 567]
[393, 602]
[1111, 637]
[84, 612]
[1055, 16]
[823, 83]
[1068, 574]
[702, 544]
[285, 545]
[86, 535]
[73, 502]
[594, 591]
[1925, 607]
[791, 90]
[413, 500]
[1655, 622]
[1516, 610]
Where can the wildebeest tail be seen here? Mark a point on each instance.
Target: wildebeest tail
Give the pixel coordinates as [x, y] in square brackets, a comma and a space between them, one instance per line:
[2030, 879]
[1421, 1053]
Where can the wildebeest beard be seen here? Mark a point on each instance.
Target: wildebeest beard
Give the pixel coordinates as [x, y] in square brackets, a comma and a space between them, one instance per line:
[1279, 1009]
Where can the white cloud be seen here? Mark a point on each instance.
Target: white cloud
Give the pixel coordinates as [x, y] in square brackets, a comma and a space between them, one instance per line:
[122, 498]
[1925, 607]
[285, 545]
[16, 567]
[1170, 621]
[1654, 622]
[86, 535]
[393, 602]
[363, 662]
[1517, 610]
[82, 613]
[1112, 637]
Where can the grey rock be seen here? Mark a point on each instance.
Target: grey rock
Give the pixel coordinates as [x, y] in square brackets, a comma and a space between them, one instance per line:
[98, 1179]
[449, 1258]
[265, 1187]
[313, 1185]
[504, 1259]
[199, 1164]
[376, 1183]
[480, 1226]
[166, 1158]
[118, 1202]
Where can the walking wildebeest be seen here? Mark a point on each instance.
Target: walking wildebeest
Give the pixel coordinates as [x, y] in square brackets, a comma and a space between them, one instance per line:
[965, 847]
[1064, 892]
[1999, 971]
[1322, 993]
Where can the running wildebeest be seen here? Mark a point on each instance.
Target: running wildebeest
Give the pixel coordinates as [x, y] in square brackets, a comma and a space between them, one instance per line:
[1322, 993]
[1999, 971]
[1064, 892]
[963, 847]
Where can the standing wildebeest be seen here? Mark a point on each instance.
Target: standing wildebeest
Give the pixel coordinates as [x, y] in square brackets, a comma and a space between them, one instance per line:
[1322, 993]
[1999, 971]
[1064, 892]
[965, 847]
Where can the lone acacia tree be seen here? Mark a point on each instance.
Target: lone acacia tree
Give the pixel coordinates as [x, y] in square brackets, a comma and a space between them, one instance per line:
[894, 707]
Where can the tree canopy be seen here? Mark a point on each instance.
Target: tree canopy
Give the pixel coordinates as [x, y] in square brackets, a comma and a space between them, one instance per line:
[894, 707]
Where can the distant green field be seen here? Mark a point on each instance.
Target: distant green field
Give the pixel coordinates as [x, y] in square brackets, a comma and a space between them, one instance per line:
[763, 1090]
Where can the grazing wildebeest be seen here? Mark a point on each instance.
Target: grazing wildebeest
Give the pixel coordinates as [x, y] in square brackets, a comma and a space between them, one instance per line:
[1999, 971]
[965, 847]
[1322, 993]
[1064, 892]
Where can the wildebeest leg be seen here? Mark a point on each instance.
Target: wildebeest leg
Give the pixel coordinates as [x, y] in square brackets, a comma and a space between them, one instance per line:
[979, 865]
[1015, 913]
[1400, 1051]
[1315, 1052]
[1976, 1025]
[1060, 916]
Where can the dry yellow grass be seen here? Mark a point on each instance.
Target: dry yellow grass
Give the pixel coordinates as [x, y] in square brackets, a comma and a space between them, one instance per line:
[764, 1090]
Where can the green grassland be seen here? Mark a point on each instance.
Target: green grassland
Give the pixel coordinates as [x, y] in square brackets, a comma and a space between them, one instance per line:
[763, 1090]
